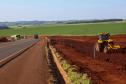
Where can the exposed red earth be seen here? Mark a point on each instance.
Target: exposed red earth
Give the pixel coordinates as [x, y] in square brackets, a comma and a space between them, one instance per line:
[104, 69]
[3, 39]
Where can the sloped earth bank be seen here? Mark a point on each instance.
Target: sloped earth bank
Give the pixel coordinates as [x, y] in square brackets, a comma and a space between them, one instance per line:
[105, 69]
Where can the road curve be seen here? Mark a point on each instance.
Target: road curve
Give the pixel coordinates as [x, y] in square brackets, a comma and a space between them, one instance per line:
[7, 49]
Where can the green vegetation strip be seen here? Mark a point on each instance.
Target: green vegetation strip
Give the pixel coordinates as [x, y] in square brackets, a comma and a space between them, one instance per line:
[76, 78]
[67, 29]
[73, 75]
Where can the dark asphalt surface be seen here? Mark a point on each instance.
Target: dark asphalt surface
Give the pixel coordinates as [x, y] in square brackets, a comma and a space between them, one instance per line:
[9, 48]
[29, 68]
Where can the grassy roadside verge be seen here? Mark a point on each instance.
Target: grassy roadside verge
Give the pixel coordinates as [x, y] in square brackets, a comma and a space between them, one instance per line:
[73, 76]
[76, 78]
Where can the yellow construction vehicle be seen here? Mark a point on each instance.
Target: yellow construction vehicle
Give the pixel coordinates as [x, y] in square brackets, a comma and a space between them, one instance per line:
[105, 44]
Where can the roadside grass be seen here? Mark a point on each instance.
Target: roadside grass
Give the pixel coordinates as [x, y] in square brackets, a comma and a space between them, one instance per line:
[75, 77]
[67, 29]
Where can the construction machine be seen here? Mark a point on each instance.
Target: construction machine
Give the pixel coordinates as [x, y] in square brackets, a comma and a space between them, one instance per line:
[15, 37]
[105, 44]
[36, 36]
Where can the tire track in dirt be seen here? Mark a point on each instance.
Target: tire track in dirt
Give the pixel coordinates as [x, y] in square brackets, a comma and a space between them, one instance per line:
[101, 72]
[105, 69]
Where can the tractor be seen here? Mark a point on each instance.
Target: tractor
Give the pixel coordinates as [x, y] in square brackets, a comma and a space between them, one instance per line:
[105, 44]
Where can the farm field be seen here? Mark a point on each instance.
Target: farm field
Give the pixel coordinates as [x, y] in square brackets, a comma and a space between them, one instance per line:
[67, 29]
[104, 69]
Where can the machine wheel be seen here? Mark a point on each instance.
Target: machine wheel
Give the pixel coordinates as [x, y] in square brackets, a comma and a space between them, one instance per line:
[98, 47]
[123, 50]
[105, 49]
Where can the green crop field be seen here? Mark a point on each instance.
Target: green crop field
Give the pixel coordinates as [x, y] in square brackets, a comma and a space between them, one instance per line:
[67, 29]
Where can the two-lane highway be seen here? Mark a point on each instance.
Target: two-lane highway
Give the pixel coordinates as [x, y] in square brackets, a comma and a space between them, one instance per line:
[30, 67]
[7, 49]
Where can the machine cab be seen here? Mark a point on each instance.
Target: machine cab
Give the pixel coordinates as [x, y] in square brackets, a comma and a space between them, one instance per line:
[104, 36]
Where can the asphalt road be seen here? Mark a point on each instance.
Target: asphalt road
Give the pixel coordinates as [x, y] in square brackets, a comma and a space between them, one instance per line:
[28, 68]
[9, 48]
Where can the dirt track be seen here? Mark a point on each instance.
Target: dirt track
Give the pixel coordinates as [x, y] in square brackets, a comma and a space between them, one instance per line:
[105, 69]
[29, 68]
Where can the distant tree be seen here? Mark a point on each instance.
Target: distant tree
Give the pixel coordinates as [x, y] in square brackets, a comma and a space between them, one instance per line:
[93, 21]
[3, 26]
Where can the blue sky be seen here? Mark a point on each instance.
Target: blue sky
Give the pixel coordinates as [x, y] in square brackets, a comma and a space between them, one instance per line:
[15, 10]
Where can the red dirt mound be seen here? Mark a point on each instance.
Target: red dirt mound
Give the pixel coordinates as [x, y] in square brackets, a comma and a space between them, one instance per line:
[3, 39]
